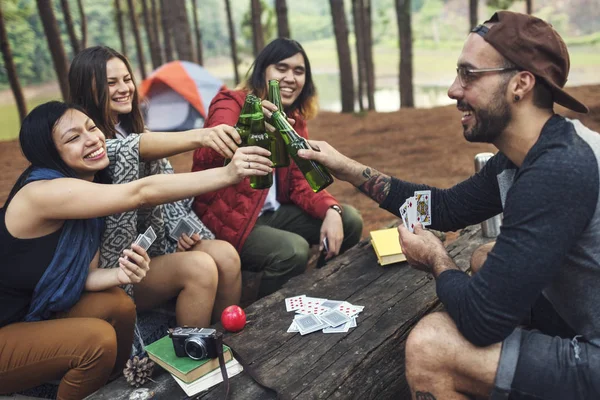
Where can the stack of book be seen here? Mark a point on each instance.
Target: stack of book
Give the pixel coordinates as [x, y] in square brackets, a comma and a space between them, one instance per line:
[194, 376]
[386, 243]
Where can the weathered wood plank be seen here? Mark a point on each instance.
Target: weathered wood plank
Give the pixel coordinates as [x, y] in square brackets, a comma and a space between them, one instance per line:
[365, 363]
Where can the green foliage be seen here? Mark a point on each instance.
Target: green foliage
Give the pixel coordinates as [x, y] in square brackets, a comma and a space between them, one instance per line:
[269, 26]
[500, 4]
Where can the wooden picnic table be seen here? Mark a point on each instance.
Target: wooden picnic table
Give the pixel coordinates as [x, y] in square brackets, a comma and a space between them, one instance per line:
[365, 363]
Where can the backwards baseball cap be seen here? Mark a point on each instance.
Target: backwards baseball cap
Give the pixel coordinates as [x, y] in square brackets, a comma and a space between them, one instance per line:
[533, 45]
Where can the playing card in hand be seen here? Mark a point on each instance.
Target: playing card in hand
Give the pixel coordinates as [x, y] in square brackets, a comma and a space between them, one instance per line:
[183, 226]
[423, 207]
[146, 240]
[411, 213]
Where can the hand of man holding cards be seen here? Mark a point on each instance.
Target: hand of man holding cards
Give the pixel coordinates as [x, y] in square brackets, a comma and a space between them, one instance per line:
[423, 250]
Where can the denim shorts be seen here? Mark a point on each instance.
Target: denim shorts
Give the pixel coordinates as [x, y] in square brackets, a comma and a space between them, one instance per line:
[551, 363]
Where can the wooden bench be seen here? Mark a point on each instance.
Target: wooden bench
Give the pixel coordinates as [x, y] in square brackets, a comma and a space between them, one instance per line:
[366, 362]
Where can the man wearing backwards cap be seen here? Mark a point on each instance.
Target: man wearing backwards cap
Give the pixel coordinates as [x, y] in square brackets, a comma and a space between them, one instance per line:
[527, 324]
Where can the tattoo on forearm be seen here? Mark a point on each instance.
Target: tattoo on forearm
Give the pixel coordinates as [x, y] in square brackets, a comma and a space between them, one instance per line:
[377, 185]
[424, 396]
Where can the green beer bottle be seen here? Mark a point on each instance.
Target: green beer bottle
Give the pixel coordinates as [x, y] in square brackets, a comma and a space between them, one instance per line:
[259, 137]
[242, 125]
[279, 154]
[316, 174]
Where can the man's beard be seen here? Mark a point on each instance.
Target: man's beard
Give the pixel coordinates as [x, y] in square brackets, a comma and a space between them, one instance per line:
[491, 122]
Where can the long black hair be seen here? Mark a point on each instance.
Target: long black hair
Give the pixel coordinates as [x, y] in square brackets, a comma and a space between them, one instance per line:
[38, 146]
[280, 49]
[88, 85]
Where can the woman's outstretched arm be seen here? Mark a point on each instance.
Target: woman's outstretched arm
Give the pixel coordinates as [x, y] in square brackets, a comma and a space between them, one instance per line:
[221, 138]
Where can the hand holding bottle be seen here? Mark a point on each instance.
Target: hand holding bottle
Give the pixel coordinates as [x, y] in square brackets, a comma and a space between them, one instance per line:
[339, 165]
[223, 139]
[249, 161]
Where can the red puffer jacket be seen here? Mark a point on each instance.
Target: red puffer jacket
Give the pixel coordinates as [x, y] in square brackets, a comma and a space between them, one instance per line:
[231, 213]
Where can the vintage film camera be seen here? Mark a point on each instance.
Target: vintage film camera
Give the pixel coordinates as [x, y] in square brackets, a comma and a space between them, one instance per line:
[195, 343]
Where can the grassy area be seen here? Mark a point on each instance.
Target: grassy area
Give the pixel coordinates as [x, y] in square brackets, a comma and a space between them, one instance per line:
[9, 117]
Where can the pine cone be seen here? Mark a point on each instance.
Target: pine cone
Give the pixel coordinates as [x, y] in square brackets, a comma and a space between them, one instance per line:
[138, 371]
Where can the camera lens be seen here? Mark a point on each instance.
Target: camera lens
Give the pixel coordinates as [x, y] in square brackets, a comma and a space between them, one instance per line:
[195, 348]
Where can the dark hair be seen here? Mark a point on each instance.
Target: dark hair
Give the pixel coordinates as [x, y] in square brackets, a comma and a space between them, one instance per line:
[280, 49]
[89, 88]
[38, 146]
[542, 95]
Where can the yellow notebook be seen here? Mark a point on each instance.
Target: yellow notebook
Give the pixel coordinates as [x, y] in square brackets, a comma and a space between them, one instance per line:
[386, 244]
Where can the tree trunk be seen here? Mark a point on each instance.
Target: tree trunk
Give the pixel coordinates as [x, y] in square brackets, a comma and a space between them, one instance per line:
[368, 53]
[70, 28]
[182, 34]
[258, 42]
[155, 31]
[119, 18]
[136, 36]
[234, 57]
[83, 21]
[473, 14]
[529, 6]
[166, 29]
[406, 70]
[360, 60]
[154, 50]
[199, 52]
[340, 28]
[55, 45]
[11, 70]
[283, 27]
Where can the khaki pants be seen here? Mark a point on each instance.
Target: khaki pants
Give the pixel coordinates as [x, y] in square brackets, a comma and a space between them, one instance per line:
[279, 243]
[81, 347]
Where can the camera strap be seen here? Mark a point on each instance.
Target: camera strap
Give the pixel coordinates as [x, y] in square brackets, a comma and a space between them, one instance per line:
[249, 370]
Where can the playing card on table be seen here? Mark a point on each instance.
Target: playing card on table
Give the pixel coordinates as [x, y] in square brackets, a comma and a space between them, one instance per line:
[334, 318]
[293, 328]
[183, 226]
[315, 309]
[343, 328]
[349, 309]
[309, 323]
[331, 303]
[423, 206]
[294, 303]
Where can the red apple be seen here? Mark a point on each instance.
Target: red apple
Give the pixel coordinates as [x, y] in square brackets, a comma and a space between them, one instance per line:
[233, 318]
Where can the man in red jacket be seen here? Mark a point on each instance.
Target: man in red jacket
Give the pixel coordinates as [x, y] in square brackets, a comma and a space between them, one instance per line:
[273, 229]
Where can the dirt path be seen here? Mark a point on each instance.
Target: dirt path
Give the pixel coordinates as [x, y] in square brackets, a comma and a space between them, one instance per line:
[420, 145]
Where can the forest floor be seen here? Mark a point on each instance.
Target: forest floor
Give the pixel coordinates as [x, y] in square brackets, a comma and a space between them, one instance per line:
[419, 145]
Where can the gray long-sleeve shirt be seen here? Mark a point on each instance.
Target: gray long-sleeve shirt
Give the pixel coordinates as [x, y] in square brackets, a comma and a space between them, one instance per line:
[549, 241]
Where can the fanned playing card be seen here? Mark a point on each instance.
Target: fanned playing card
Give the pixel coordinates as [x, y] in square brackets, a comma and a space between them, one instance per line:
[145, 240]
[423, 207]
[183, 226]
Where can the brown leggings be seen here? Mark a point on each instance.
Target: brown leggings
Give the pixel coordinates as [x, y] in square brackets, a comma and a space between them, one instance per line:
[82, 346]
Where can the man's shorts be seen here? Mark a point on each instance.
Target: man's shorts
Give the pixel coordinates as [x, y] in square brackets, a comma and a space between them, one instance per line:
[551, 363]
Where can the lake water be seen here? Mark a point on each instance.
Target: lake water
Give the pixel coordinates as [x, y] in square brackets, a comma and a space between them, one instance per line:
[387, 95]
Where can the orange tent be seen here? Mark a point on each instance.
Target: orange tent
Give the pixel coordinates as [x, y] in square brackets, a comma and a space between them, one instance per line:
[177, 96]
